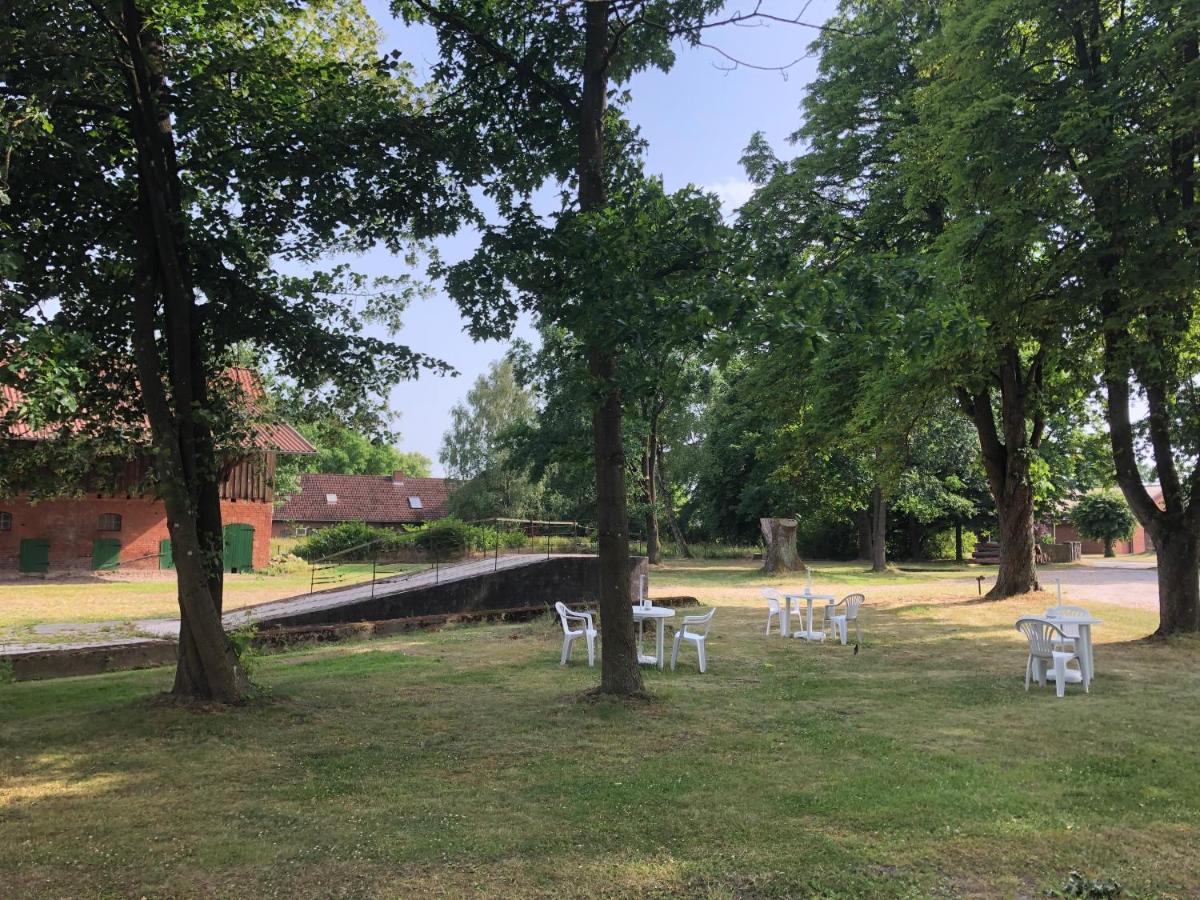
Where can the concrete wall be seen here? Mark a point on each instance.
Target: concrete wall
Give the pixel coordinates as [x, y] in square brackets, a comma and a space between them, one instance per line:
[571, 579]
[71, 525]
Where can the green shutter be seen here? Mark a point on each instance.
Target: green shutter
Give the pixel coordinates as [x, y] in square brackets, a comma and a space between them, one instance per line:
[166, 559]
[106, 553]
[35, 555]
[239, 548]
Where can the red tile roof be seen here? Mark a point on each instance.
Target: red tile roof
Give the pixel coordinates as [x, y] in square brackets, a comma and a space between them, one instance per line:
[380, 499]
[278, 436]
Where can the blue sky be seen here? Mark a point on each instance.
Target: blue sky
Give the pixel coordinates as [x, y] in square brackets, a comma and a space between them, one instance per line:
[697, 118]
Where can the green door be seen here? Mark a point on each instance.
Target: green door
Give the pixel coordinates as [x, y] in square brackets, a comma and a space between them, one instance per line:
[166, 559]
[239, 548]
[35, 555]
[106, 553]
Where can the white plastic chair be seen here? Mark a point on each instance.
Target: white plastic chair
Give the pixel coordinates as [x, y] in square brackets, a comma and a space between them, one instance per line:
[774, 609]
[838, 617]
[567, 616]
[1044, 637]
[696, 637]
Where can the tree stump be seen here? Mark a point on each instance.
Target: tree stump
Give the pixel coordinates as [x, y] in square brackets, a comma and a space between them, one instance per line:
[779, 554]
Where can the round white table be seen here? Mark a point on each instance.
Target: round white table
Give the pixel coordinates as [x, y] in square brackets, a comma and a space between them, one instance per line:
[659, 614]
[1084, 646]
[808, 634]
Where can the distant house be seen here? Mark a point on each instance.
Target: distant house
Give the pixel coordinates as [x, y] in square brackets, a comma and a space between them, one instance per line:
[124, 526]
[392, 501]
[1139, 543]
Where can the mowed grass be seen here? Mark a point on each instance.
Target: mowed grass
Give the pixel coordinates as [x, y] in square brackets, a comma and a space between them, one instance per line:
[93, 598]
[463, 763]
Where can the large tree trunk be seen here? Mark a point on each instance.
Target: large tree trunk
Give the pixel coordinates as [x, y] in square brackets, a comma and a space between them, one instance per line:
[958, 542]
[1018, 572]
[620, 672]
[1178, 582]
[1006, 459]
[779, 550]
[1175, 527]
[208, 667]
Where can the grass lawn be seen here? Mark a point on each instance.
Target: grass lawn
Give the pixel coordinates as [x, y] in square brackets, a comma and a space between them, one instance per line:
[91, 598]
[462, 763]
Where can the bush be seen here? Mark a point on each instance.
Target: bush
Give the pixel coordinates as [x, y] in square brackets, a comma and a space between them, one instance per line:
[940, 544]
[444, 537]
[343, 538]
[1104, 517]
[285, 564]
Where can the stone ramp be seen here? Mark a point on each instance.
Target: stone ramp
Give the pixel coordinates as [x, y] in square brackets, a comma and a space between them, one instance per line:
[309, 605]
[471, 590]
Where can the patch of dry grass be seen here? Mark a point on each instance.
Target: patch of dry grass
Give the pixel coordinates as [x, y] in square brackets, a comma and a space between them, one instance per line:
[102, 598]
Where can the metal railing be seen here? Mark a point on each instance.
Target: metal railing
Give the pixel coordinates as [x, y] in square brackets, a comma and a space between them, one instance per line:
[393, 565]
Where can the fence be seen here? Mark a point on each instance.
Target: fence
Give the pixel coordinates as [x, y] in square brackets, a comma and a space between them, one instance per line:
[540, 537]
[393, 566]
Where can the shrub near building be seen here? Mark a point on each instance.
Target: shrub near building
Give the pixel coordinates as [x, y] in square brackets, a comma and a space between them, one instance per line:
[1103, 517]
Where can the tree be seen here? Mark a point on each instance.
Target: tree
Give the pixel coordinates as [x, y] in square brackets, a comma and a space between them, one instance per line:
[184, 151]
[531, 86]
[476, 449]
[1090, 114]
[1103, 517]
[343, 451]
[496, 402]
[948, 284]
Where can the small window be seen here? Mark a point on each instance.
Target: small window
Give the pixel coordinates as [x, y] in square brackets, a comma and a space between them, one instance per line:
[331, 499]
[5, 521]
[415, 503]
[109, 522]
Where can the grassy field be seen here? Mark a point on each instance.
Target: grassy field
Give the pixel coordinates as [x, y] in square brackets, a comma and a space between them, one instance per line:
[464, 763]
[92, 598]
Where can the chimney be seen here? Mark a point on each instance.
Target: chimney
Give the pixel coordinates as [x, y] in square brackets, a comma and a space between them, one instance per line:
[398, 479]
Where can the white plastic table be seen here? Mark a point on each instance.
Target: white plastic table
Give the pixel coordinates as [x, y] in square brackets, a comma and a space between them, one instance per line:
[785, 615]
[659, 614]
[1084, 648]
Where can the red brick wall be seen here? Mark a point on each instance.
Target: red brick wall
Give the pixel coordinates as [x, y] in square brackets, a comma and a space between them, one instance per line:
[1137, 544]
[71, 525]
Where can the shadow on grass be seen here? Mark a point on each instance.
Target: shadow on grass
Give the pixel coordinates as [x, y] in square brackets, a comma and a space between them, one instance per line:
[469, 752]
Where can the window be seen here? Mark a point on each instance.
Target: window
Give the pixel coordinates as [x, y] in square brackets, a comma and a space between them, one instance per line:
[5, 521]
[331, 499]
[415, 503]
[109, 522]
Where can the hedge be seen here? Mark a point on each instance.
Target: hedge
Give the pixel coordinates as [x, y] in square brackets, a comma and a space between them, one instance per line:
[441, 537]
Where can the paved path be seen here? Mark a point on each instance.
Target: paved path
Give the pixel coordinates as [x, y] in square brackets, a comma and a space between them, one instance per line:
[1130, 582]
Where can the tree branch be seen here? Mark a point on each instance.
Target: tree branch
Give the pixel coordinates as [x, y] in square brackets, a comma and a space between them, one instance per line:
[555, 90]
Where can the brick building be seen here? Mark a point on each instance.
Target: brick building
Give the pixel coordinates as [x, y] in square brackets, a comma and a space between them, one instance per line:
[391, 501]
[123, 526]
[1139, 543]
